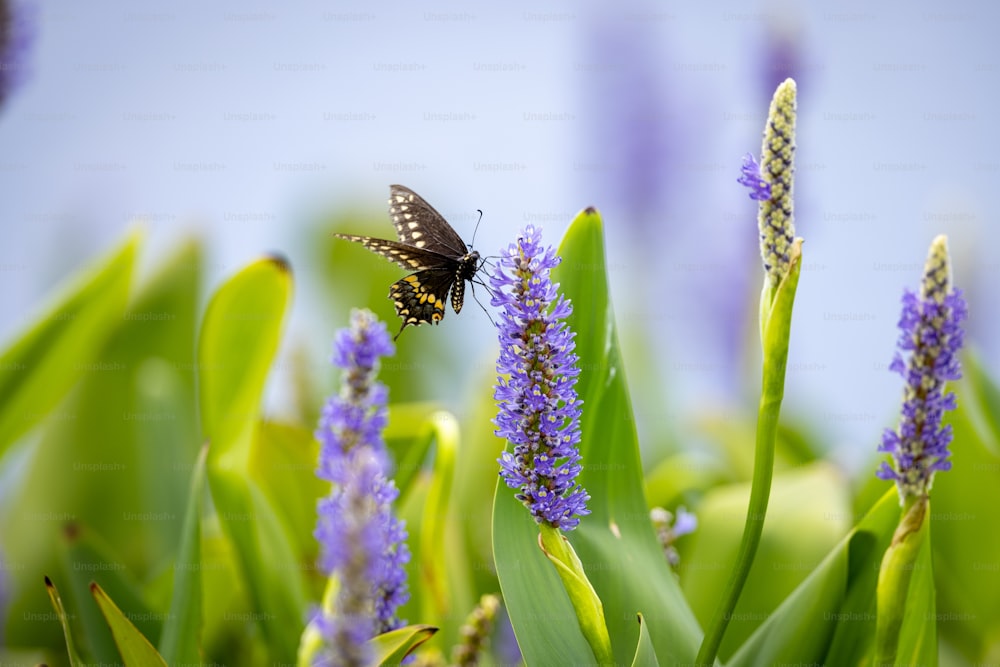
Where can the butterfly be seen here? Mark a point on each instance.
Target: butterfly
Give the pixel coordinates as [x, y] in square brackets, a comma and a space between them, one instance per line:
[429, 246]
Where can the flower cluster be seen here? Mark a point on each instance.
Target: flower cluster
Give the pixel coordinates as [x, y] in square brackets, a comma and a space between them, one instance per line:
[361, 541]
[539, 409]
[932, 335]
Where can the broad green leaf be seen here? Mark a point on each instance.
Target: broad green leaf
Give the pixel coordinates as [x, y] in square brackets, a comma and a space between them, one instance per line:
[180, 641]
[74, 657]
[615, 544]
[284, 461]
[965, 540]
[539, 608]
[239, 339]
[830, 617]
[40, 366]
[808, 514]
[135, 649]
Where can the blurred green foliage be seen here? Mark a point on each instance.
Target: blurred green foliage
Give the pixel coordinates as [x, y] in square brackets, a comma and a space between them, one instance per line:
[108, 396]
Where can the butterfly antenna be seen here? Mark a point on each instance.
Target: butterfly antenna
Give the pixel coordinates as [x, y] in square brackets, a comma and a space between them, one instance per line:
[474, 231]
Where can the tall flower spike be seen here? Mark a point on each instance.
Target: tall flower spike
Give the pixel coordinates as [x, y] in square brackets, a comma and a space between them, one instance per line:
[539, 409]
[777, 165]
[361, 541]
[931, 335]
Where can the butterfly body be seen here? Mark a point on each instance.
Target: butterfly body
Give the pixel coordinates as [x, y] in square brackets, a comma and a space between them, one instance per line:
[430, 247]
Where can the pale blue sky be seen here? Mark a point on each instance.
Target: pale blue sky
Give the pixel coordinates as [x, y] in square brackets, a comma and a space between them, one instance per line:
[248, 121]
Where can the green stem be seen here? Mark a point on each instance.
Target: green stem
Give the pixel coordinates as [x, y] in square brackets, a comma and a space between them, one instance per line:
[776, 320]
[760, 491]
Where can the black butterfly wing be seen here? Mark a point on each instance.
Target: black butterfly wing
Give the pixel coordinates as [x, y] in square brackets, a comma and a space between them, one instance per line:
[432, 249]
[418, 224]
[406, 256]
[420, 296]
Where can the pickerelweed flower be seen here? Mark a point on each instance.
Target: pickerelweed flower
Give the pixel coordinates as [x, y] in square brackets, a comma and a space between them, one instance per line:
[539, 409]
[931, 335]
[760, 189]
[361, 541]
[771, 183]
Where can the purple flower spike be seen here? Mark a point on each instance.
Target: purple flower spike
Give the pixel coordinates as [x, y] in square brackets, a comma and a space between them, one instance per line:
[931, 337]
[361, 541]
[539, 409]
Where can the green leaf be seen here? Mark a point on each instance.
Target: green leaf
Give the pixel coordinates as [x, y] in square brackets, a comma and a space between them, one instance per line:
[440, 568]
[616, 544]
[391, 647]
[435, 561]
[74, 657]
[644, 654]
[830, 617]
[41, 365]
[284, 462]
[180, 640]
[239, 339]
[88, 560]
[966, 543]
[138, 393]
[135, 650]
[539, 609]
[809, 514]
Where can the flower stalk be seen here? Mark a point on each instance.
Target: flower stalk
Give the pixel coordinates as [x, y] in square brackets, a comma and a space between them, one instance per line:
[539, 414]
[362, 544]
[931, 337]
[781, 253]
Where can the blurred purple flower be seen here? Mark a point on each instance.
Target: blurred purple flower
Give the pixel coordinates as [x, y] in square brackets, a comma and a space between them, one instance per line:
[18, 24]
[361, 541]
[539, 409]
[931, 335]
[669, 527]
